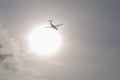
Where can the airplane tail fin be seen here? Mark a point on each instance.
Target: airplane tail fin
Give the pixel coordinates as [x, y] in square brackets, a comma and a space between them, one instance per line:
[50, 20]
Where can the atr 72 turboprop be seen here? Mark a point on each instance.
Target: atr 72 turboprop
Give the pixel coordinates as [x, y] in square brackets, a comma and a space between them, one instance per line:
[54, 26]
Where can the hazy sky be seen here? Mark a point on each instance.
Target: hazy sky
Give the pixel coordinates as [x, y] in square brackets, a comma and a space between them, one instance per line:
[91, 41]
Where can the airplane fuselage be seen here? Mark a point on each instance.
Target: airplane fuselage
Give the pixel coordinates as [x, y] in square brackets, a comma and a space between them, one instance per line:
[53, 26]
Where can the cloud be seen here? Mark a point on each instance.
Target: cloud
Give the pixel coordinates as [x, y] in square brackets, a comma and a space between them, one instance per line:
[12, 63]
[9, 51]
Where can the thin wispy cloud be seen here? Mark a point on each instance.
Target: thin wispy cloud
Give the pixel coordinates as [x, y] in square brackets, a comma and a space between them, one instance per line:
[11, 60]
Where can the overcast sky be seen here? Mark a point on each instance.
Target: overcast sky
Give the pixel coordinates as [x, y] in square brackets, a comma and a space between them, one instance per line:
[91, 39]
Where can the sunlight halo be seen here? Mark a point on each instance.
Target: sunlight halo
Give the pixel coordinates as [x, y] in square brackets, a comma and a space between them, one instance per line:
[44, 41]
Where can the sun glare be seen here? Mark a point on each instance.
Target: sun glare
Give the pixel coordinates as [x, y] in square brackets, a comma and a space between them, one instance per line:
[44, 41]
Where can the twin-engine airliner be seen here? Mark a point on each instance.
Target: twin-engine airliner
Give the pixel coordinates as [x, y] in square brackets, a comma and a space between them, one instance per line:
[54, 26]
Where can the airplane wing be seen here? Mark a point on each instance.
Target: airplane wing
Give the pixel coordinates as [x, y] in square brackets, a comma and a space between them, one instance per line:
[58, 25]
[48, 26]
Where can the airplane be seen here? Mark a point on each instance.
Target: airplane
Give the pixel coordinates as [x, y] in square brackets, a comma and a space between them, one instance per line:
[54, 26]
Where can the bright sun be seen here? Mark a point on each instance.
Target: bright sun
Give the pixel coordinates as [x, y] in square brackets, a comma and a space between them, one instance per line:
[44, 41]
